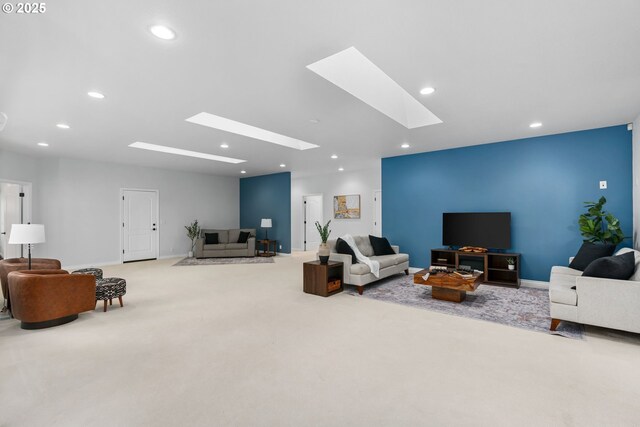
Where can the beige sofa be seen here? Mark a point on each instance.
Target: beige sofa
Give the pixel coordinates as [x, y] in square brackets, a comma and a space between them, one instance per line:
[595, 301]
[227, 244]
[359, 274]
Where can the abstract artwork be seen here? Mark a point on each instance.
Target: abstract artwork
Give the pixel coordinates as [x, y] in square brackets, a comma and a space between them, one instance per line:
[346, 207]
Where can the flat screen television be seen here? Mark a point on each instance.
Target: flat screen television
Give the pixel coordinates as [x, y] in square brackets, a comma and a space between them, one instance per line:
[491, 230]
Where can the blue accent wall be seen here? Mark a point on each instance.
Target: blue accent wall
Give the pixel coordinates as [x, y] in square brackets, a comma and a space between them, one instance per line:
[268, 196]
[542, 181]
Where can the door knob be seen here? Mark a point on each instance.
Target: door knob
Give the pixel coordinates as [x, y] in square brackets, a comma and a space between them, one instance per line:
[154, 229]
[4, 232]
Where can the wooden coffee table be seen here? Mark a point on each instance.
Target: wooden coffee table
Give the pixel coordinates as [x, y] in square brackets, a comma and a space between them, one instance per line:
[448, 286]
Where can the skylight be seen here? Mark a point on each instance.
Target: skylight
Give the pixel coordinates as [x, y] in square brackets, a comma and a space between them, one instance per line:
[181, 152]
[352, 72]
[228, 125]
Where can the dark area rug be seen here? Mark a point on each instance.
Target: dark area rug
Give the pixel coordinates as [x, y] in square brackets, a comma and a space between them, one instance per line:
[525, 308]
[219, 261]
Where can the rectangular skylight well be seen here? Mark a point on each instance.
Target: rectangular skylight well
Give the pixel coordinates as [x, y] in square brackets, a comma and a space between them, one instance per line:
[228, 125]
[181, 152]
[354, 73]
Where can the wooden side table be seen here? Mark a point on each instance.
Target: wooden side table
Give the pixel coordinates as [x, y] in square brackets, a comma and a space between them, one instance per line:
[266, 247]
[323, 279]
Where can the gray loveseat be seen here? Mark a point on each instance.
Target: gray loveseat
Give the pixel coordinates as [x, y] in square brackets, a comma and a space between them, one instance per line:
[359, 274]
[227, 244]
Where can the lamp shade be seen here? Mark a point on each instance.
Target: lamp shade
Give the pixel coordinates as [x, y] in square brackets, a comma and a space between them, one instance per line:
[22, 234]
[266, 223]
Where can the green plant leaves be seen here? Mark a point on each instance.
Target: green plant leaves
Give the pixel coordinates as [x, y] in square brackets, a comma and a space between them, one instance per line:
[323, 231]
[593, 227]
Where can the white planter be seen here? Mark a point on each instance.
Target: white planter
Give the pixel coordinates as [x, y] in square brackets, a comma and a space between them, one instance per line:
[511, 267]
[190, 254]
[323, 253]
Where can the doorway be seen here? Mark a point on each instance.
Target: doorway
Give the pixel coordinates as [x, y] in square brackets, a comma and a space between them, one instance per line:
[15, 208]
[312, 209]
[377, 213]
[139, 225]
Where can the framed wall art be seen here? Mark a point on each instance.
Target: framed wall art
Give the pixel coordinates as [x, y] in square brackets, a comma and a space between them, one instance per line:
[346, 207]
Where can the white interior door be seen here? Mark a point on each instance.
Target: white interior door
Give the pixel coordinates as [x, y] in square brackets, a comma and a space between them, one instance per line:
[312, 213]
[139, 225]
[9, 214]
[377, 213]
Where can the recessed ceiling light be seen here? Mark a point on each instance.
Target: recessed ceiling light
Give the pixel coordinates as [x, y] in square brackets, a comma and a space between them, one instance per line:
[43, 144]
[282, 165]
[314, 121]
[427, 91]
[334, 156]
[181, 152]
[162, 32]
[535, 125]
[405, 145]
[96, 95]
[340, 169]
[224, 145]
[228, 125]
[243, 171]
[63, 126]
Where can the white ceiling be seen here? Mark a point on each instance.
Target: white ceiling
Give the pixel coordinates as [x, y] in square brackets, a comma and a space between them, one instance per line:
[496, 65]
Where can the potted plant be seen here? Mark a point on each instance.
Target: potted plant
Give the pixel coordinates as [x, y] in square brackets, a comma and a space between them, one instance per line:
[323, 249]
[511, 263]
[598, 226]
[193, 232]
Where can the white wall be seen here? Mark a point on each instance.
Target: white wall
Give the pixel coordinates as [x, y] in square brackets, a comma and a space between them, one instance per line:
[363, 182]
[636, 182]
[79, 203]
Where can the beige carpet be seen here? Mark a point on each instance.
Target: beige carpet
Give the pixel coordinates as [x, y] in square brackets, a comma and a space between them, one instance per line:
[242, 345]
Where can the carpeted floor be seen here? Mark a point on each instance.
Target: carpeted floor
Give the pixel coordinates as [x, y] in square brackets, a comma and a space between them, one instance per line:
[243, 345]
[526, 308]
[221, 261]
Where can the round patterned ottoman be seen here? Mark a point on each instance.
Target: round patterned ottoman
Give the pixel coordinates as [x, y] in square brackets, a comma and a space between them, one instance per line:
[109, 288]
[95, 271]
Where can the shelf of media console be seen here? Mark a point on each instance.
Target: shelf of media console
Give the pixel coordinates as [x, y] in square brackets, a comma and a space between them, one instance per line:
[496, 270]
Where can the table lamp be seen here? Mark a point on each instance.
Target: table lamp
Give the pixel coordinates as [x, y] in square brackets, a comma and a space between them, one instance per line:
[266, 223]
[27, 234]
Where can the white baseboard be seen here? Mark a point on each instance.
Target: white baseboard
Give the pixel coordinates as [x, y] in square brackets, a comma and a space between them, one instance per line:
[173, 256]
[537, 284]
[93, 264]
[116, 262]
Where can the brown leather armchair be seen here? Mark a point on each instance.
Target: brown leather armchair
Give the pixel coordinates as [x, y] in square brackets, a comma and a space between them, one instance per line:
[15, 264]
[45, 298]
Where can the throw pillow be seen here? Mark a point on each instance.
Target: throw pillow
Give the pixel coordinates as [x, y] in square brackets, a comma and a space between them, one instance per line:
[381, 246]
[210, 238]
[619, 267]
[243, 237]
[343, 247]
[589, 252]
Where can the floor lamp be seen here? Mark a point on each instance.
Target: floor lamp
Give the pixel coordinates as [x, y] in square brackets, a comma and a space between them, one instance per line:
[27, 234]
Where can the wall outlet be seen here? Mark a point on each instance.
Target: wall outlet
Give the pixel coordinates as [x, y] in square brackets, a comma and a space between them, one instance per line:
[170, 250]
[603, 185]
[280, 247]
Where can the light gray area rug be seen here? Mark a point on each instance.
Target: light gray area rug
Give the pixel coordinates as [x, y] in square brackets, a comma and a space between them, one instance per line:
[219, 261]
[526, 308]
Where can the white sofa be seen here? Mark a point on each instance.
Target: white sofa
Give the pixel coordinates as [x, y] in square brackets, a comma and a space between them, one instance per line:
[359, 274]
[594, 301]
